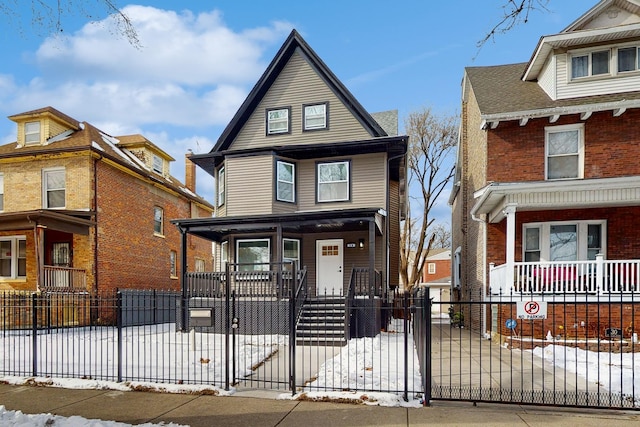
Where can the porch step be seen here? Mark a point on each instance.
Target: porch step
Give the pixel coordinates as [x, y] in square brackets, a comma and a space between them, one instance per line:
[322, 323]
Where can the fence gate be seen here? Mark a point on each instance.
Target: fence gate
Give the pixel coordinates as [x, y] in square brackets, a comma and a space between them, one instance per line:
[579, 354]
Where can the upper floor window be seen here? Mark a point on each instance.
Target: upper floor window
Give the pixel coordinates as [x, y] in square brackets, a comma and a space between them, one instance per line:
[564, 241]
[1, 192]
[158, 164]
[628, 59]
[431, 268]
[53, 188]
[278, 121]
[32, 133]
[333, 181]
[200, 265]
[13, 257]
[285, 185]
[315, 116]
[564, 151]
[221, 187]
[158, 219]
[590, 64]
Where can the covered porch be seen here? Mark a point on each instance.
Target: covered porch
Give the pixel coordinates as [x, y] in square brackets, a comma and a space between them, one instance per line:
[39, 247]
[570, 237]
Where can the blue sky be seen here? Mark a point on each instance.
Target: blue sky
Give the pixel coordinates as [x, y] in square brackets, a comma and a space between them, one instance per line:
[199, 59]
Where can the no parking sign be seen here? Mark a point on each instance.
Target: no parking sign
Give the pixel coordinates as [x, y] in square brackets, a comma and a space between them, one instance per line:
[531, 310]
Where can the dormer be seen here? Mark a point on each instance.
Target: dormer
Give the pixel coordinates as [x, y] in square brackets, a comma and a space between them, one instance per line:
[155, 159]
[598, 54]
[43, 126]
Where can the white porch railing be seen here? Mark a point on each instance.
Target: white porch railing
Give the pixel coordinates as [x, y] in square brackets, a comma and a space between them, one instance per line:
[56, 278]
[571, 277]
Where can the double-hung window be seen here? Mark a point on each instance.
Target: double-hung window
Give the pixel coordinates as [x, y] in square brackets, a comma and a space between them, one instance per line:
[291, 251]
[333, 181]
[173, 264]
[253, 255]
[278, 121]
[32, 133]
[590, 64]
[13, 257]
[158, 220]
[286, 182]
[1, 192]
[53, 188]
[315, 116]
[628, 59]
[221, 187]
[564, 148]
[564, 241]
[158, 164]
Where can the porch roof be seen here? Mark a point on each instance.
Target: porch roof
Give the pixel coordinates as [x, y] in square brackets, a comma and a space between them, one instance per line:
[492, 199]
[75, 222]
[216, 229]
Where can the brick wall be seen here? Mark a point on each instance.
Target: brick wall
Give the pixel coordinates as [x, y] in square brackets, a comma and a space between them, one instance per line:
[130, 255]
[442, 269]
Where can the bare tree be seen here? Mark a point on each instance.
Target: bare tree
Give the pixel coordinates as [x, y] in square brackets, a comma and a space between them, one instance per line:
[441, 235]
[49, 15]
[514, 12]
[432, 139]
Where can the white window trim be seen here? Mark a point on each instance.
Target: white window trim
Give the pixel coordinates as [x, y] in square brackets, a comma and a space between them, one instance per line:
[14, 255]
[222, 186]
[173, 264]
[589, 53]
[582, 229]
[288, 121]
[287, 259]
[157, 161]
[348, 196]
[431, 268]
[39, 133]
[161, 232]
[564, 128]
[263, 267]
[200, 265]
[324, 116]
[293, 181]
[45, 202]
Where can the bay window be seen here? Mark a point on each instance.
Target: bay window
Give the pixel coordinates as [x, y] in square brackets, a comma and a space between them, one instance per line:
[333, 181]
[291, 251]
[285, 182]
[253, 255]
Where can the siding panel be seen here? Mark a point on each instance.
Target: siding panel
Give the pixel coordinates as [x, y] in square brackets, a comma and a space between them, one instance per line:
[296, 85]
[249, 185]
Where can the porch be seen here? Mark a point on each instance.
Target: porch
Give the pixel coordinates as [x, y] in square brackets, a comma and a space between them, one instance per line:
[615, 278]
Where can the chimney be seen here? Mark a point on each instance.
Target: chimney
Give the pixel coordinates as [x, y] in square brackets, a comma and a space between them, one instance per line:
[190, 172]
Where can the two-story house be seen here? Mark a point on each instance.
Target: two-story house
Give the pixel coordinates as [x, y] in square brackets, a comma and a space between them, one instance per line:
[82, 210]
[305, 175]
[546, 200]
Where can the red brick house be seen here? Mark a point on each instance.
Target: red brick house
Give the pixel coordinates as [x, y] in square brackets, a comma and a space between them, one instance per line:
[82, 210]
[546, 200]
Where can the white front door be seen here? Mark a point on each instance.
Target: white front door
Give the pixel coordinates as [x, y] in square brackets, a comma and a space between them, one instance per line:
[329, 257]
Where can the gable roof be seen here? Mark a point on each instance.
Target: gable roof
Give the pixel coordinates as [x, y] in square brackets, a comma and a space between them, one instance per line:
[294, 43]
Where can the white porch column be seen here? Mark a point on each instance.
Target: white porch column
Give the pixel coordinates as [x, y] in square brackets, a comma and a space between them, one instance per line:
[510, 213]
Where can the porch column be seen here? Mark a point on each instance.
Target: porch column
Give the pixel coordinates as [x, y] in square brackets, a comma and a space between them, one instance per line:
[372, 258]
[38, 234]
[510, 212]
[183, 280]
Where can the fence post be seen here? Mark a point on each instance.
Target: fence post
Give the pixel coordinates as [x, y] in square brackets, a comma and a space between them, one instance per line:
[293, 288]
[427, 381]
[227, 326]
[34, 331]
[119, 327]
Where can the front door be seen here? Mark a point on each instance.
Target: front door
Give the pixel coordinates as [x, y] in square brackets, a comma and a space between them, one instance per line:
[329, 267]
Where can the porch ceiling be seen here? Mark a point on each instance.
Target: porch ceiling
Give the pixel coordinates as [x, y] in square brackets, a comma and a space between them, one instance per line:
[75, 222]
[555, 195]
[216, 229]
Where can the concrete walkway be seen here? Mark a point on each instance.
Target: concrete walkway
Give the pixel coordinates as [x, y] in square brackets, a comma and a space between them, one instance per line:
[240, 410]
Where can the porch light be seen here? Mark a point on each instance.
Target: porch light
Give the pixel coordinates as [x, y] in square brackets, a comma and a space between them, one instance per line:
[361, 243]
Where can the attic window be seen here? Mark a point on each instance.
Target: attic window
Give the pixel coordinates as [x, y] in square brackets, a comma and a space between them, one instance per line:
[32, 133]
[278, 121]
[590, 64]
[628, 59]
[315, 117]
[158, 164]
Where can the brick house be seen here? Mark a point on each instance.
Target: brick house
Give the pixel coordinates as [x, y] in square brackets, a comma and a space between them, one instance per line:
[306, 176]
[546, 201]
[80, 209]
[436, 276]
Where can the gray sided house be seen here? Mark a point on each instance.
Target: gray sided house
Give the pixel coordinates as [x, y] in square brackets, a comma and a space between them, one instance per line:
[310, 191]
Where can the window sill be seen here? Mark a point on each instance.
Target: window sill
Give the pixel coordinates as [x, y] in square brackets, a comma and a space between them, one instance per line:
[174, 277]
[159, 235]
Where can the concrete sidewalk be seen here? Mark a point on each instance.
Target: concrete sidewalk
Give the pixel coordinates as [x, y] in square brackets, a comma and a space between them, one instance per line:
[263, 409]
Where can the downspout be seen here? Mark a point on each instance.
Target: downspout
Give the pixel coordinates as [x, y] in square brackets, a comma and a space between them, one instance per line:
[483, 294]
